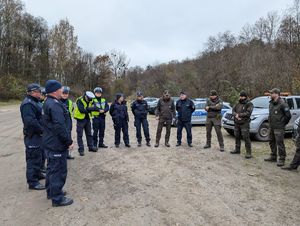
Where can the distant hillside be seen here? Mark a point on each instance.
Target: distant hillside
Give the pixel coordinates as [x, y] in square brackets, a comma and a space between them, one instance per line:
[264, 55]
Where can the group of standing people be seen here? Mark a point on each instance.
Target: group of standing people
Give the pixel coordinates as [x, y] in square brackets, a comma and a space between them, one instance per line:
[47, 132]
[47, 117]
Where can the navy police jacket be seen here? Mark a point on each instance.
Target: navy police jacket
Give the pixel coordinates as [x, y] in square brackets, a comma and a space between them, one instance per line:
[119, 112]
[139, 109]
[185, 109]
[57, 136]
[31, 113]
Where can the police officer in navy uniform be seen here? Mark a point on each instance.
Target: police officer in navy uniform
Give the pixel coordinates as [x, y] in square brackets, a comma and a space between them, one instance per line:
[83, 114]
[56, 141]
[185, 108]
[31, 113]
[119, 114]
[70, 108]
[99, 118]
[140, 109]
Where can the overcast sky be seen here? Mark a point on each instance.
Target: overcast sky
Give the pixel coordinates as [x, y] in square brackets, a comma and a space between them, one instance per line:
[152, 31]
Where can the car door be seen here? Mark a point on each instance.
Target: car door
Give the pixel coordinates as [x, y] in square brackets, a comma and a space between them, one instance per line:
[297, 110]
[294, 112]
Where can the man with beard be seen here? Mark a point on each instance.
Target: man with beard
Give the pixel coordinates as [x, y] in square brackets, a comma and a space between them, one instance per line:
[279, 117]
[214, 107]
[165, 112]
[242, 112]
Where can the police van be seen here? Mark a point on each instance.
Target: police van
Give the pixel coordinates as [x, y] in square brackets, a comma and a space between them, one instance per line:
[259, 125]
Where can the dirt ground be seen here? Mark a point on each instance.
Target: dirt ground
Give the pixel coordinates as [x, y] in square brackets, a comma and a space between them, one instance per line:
[148, 186]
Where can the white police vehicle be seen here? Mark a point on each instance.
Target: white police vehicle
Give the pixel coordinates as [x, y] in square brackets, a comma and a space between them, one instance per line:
[199, 115]
[152, 104]
[259, 125]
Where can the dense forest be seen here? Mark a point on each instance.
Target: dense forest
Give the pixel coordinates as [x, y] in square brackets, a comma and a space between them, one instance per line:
[263, 55]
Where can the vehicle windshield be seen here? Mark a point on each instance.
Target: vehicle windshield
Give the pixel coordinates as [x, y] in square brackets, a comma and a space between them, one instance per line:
[200, 105]
[261, 102]
[150, 99]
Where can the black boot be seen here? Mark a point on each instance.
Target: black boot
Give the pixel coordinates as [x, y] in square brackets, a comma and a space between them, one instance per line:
[65, 202]
[148, 144]
[139, 144]
[271, 159]
[93, 149]
[190, 145]
[178, 144]
[102, 146]
[37, 187]
[236, 151]
[207, 146]
[127, 145]
[289, 168]
[280, 162]
[81, 152]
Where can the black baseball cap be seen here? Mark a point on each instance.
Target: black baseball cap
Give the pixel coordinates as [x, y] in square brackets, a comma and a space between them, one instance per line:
[33, 87]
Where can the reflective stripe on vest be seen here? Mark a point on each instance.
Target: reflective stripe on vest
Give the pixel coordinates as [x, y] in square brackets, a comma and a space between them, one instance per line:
[70, 107]
[77, 113]
[101, 106]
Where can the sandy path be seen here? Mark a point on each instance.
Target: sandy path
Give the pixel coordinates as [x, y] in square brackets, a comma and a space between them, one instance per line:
[147, 186]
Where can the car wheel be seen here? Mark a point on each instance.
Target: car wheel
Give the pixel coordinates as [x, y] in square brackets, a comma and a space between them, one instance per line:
[230, 132]
[263, 132]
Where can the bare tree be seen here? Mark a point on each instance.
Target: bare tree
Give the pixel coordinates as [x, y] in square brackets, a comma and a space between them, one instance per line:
[119, 63]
